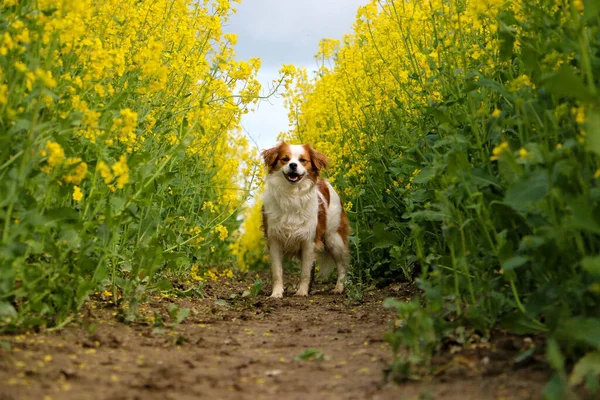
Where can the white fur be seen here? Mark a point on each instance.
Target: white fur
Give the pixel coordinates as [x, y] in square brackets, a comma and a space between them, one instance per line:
[292, 215]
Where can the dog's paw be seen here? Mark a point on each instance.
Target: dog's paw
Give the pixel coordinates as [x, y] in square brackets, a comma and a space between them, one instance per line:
[277, 294]
[301, 292]
[339, 289]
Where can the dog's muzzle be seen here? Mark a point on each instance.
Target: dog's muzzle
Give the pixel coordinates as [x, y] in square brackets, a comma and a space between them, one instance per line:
[293, 177]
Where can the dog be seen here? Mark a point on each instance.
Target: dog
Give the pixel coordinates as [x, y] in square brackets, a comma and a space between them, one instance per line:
[303, 216]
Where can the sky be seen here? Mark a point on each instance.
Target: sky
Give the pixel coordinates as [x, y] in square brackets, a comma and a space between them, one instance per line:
[284, 32]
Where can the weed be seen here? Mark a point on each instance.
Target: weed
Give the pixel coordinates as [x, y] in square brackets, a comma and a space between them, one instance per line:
[311, 355]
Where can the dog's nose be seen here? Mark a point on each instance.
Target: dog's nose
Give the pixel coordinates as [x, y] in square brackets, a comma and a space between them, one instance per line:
[293, 166]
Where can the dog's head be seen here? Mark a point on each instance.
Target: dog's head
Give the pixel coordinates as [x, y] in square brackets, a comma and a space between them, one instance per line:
[294, 161]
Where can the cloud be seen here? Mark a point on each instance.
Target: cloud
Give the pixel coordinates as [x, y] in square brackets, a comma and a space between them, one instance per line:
[288, 31]
[270, 117]
[284, 32]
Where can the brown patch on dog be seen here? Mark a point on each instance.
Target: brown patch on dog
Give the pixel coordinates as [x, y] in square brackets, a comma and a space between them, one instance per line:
[274, 154]
[344, 228]
[321, 225]
[324, 190]
[318, 161]
[265, 222]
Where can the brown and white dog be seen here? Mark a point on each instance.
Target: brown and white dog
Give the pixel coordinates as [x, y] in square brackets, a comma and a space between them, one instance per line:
[303, 216]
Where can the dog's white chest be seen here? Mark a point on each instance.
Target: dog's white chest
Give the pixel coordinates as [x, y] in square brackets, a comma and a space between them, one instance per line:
[292, 216]
[293, 227]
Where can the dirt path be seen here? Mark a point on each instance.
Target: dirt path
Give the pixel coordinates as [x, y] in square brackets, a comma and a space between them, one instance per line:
[246, 349]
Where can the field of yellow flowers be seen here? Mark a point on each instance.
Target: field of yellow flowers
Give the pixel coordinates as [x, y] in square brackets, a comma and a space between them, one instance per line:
[465, 136]
[122, 165]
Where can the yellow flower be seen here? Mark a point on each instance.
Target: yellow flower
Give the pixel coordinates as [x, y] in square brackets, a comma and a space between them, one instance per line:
[580, 114]
[21, 67]
[56, 155]
[520, 82]
[597, 174]
[3, 94]
[126, 125]
[523, 153]
[120, 171]
[78, 172]
[104, 171]
[208, 205]
[45, 77]
[498, 150]
[90, 118]
[222, 231]
[496, 113]
[194, 273]
[77, 194]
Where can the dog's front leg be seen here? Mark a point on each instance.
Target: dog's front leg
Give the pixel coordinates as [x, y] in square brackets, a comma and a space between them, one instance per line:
[276, 269]
[308, 259]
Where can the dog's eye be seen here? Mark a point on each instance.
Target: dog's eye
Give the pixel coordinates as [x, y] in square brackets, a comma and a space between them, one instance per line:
[303, 161]
[285, 159]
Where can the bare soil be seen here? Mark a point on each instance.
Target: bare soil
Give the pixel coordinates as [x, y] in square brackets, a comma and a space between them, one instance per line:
[245, 348]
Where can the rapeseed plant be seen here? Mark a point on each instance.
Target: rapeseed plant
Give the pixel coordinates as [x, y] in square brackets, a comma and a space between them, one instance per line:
[119, 120]
[452, 86]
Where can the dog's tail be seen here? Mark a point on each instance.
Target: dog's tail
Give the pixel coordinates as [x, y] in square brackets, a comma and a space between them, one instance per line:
[326, 265]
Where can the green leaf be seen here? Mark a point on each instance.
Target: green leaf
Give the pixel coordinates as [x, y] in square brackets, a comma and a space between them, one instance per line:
[526, 192]
[7, 310]
[426, 215]
[554, 389]
[117, 204]
[565, 82]
[382, 238]
[494, 86]
[591, 265]
[255, 289]
[164, 284]
[521, 324]
[221, 302]
[426, 174]
[84, 288]
[178, 314]
[311, 355]
[589, 364]
[507, 37]
[592, 141]
[524, 355]
[451, 139]
[61, 214]
[591, 9]
[483, 179]
[554, 356]
[20, 125]
[514, 262]
[583, 215]
[582, 330]
[181, 315]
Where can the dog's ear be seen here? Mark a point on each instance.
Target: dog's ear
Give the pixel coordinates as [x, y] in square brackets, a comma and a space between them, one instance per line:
[319, 160]
[270, 156]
